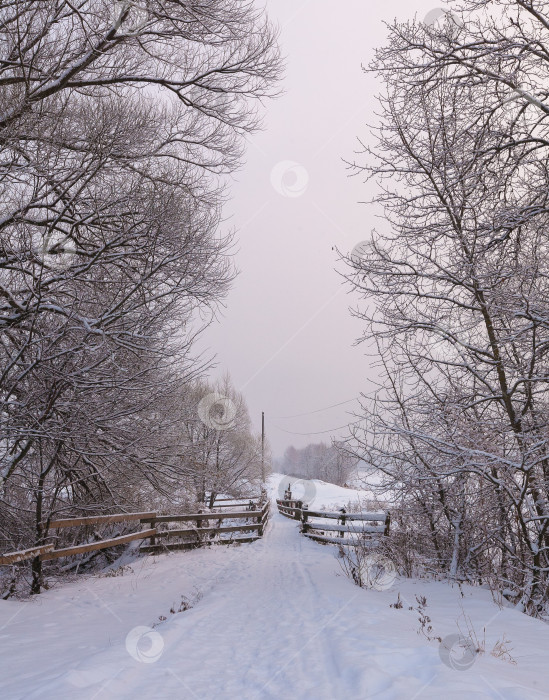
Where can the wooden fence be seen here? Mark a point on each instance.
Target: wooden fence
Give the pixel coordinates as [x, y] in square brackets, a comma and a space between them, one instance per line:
[197, 533]
[350, 527]
[47, 551]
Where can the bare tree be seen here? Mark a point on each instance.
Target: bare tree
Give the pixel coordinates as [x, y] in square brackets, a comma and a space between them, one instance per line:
[118, 120]
[459, 282]
[319, 461]
[218, 443]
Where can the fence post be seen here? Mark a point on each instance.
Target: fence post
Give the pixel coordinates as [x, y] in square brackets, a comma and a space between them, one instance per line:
[152, 538]
[387, 524]
[299, 506]
[304, 518]
[253, 506]
[342, 518]
[262, 519]
[199, 520]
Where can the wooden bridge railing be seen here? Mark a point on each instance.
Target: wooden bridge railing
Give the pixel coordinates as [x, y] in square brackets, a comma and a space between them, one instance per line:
[257, 513]
[348, 523]
[46, 551]
[198, 531]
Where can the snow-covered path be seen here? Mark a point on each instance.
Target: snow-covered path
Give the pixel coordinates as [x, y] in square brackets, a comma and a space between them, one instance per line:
[275, 620]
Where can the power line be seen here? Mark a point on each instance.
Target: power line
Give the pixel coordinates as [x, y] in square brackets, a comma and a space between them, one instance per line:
[319, 410]
[320, 432]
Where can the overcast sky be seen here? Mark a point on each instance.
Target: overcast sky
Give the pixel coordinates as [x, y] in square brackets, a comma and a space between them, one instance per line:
[287, 335]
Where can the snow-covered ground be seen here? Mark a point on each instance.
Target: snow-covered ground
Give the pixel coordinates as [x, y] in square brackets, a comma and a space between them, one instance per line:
[273, 619]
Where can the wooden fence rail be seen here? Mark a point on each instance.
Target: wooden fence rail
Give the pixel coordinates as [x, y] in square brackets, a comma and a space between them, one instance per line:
[361, 534]
[24, 554]
[241, 505]
[201, 516]
[92, 546]
[100, 519]
[327, 527]
[238, 500]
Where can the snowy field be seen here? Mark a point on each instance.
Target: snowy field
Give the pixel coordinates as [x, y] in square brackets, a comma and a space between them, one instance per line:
[273, 619]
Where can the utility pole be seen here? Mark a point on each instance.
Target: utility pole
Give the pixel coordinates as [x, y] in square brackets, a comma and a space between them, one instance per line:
[262, 447]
